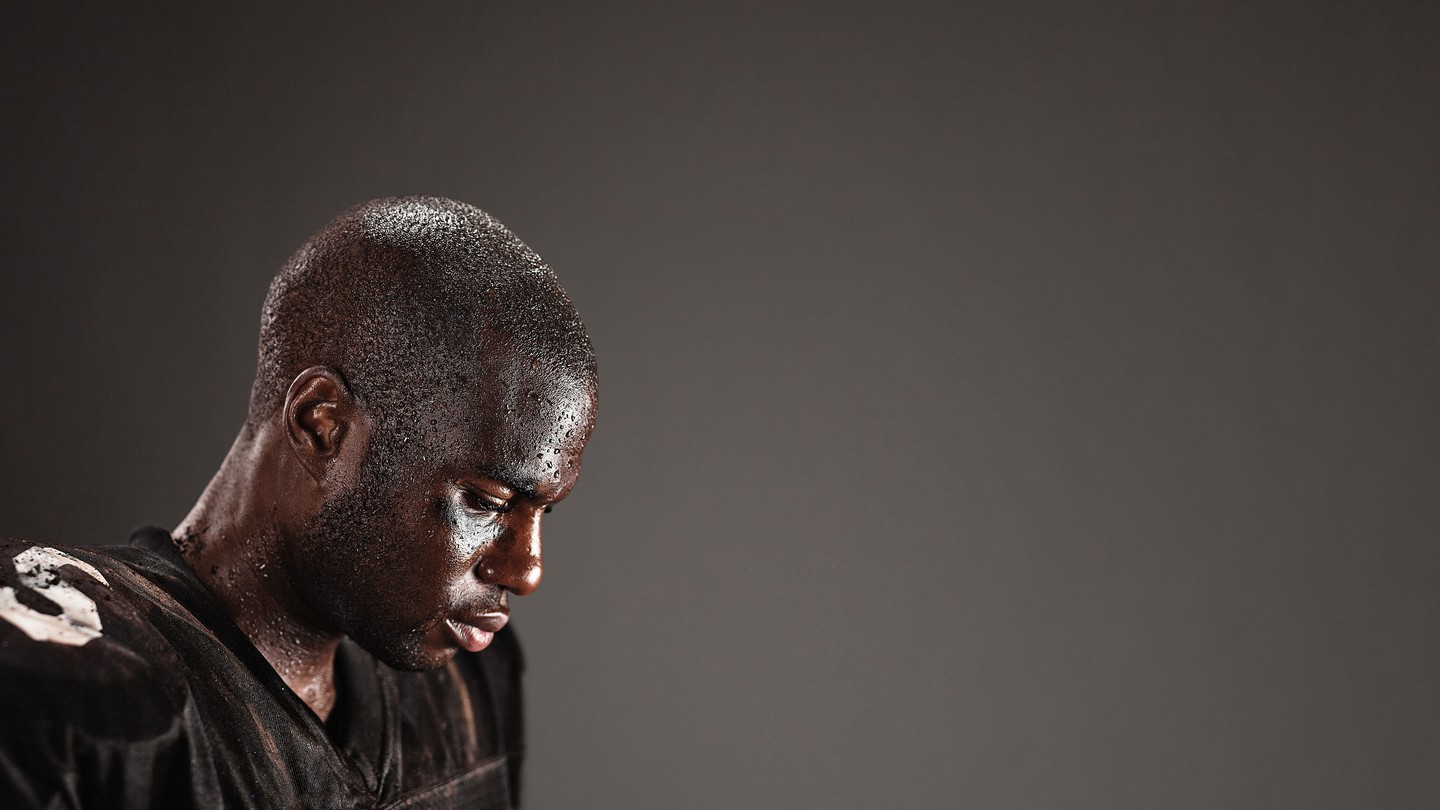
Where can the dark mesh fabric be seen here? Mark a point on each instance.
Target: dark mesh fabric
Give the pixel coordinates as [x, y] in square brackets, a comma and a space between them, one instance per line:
[171, 706]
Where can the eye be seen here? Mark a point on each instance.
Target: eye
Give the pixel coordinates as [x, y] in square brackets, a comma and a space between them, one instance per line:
[549, 509]
[480, 501]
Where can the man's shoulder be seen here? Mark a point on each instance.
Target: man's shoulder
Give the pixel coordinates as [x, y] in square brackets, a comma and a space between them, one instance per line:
[77, 647]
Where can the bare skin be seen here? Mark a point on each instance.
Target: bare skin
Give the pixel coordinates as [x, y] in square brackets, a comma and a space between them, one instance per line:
[243, 537]
[231, 538]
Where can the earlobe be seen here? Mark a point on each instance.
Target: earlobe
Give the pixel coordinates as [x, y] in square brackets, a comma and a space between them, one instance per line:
[319, 411]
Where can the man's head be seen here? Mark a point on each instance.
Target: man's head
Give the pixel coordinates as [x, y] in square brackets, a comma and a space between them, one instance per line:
[437, 388]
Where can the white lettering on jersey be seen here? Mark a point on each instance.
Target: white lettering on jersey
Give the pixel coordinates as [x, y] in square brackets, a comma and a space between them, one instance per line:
[38, 569]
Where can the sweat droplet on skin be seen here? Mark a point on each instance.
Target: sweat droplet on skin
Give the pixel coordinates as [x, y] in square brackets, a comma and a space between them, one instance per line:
[469, 530]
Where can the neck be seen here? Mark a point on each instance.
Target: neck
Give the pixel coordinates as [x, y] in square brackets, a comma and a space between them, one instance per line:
[233, 539]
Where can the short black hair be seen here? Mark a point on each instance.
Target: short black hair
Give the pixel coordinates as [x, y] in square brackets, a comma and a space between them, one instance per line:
[407, 297]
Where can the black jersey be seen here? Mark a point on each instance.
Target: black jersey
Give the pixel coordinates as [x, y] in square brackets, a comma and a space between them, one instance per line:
[124, 684]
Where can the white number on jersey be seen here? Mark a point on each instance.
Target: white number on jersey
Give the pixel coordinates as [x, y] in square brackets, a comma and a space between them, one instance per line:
[38, 569]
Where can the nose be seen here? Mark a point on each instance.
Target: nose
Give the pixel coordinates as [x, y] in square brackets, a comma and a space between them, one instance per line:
[514, 562]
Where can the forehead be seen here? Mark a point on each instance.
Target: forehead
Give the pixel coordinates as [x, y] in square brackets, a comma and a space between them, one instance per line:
[526, 427]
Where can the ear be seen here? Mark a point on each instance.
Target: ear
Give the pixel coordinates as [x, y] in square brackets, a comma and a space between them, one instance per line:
[324, 421]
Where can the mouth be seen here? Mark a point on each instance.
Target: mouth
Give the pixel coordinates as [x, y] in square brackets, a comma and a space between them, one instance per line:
[477, 633]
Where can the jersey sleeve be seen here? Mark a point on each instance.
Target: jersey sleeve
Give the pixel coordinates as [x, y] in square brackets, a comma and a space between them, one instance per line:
[90, 716]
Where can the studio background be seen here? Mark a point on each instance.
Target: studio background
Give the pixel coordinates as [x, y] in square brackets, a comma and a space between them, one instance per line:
[1016, 405]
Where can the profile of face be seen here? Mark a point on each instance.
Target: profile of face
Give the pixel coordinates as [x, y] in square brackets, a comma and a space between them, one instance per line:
[417, 558]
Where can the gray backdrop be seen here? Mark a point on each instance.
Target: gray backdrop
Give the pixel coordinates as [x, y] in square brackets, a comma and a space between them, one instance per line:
[1019, 407]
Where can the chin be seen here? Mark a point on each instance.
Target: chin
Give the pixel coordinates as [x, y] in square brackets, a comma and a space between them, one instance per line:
[420, 663]
[410, 653]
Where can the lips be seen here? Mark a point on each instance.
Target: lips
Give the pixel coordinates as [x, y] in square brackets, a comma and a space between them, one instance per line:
[475, 634]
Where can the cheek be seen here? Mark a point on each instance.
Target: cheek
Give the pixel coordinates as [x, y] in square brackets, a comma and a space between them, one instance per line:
[470, 533]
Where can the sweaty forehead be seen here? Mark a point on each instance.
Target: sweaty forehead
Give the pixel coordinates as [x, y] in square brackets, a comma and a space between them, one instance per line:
[528, 426]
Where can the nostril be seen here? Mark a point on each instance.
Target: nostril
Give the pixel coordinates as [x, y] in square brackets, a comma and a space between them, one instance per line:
[520, 578]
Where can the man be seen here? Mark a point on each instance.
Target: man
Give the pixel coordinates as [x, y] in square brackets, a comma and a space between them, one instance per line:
[327, 627]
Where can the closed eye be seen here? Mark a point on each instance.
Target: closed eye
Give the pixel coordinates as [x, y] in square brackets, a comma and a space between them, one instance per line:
[481, 502]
